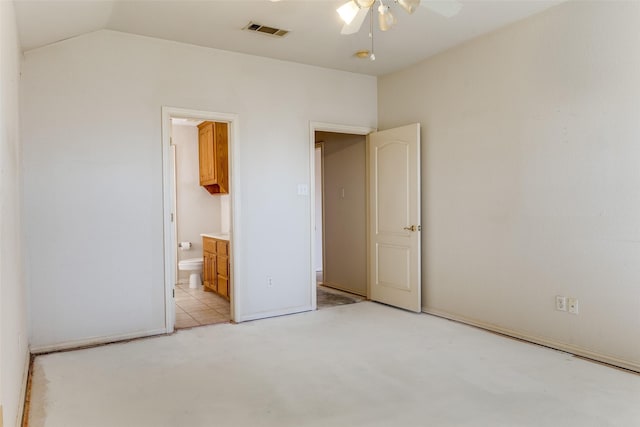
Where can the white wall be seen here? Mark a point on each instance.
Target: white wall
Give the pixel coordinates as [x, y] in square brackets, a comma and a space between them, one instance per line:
[225, 213]
[530, 176]
[197, 211]
[345, 238]
[93, 175]
[14, 354]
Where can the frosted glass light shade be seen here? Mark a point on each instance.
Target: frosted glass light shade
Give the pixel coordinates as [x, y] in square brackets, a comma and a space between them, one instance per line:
[385, 18]
[365, 4]
[409, 5]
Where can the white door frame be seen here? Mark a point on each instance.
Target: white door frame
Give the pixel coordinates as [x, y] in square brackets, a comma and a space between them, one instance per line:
[325, 127]
[319, 146]
[170, 238]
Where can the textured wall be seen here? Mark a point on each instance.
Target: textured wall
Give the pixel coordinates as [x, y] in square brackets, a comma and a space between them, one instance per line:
[93, 175]
[14, 355]
[530, 176]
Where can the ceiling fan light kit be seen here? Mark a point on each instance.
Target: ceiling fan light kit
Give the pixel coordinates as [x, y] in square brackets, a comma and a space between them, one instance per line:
[386, 20]
[354, 12]
[350, 10]
[409, 6]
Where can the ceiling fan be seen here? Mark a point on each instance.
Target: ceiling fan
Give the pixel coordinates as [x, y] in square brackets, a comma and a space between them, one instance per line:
[354, 12]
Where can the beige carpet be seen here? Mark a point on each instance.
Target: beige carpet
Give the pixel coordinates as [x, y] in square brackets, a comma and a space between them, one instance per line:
[354, 365]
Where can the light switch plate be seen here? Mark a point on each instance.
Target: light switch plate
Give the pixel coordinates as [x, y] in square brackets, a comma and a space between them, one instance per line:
[303, 190]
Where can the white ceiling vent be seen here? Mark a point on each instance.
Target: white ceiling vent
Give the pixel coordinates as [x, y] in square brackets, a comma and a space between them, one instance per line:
[270, 31]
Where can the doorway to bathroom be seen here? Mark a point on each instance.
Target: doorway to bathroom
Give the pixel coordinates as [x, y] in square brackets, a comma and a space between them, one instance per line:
[198, 217]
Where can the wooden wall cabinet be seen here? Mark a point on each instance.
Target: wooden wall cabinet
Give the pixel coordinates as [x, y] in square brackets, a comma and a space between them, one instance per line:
[216, 268]
[213, 151]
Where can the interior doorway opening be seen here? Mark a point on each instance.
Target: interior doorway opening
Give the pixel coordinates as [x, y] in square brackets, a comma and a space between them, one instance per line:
[340, 260]
[200, 210]
[202, 222]
[392, 214]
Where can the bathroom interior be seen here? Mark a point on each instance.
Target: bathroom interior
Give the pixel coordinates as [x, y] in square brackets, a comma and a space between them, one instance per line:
[202, 222]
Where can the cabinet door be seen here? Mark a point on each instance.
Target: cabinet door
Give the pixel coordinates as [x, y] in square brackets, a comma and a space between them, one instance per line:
[209, 244]
[222, 264]
[223, 286]
[206, 153]
[221, 131]
[213, 151]
[205, 270]
[207, 277]
[214, 272]
[222, 247]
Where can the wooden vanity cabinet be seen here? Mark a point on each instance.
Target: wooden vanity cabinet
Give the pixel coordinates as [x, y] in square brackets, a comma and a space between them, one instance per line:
[209, 264]
[215, 269]
[222, 267]
[213, 153]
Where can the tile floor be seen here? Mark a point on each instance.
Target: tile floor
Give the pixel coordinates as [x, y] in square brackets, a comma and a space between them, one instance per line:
[195, 307]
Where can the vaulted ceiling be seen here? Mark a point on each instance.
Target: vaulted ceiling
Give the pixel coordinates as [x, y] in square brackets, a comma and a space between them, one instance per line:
[314, 27]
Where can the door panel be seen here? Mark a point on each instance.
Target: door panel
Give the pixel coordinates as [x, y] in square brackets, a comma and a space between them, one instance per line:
[394, 217]
[393, 266]
[392, 209]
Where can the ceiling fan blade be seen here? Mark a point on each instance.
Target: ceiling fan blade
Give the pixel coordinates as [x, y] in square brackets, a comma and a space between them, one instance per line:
[355, 25]
[446, 8]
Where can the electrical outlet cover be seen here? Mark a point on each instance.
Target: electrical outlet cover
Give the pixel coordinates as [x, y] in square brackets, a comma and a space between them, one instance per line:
[561, 303]
[572, 304]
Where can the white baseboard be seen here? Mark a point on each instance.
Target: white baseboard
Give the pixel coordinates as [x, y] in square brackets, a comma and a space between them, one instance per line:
[94, 341]
[23, 389]
[569, 348]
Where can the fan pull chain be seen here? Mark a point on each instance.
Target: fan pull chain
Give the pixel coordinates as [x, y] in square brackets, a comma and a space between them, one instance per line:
[372, 56]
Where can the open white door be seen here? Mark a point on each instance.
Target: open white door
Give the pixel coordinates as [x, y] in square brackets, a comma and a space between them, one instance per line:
[394, 217]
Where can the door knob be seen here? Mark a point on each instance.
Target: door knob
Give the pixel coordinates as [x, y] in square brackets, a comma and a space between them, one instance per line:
[413, 228]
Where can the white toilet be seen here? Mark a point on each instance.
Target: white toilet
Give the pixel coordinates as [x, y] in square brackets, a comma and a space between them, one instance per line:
[194, 265]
